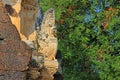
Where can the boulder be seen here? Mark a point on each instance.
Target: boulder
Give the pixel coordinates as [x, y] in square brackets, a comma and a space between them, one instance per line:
[23, 15]
[7, 29]
[51, 66]
[45, 75]
[14, 54]
[34, 58]
[12, 75]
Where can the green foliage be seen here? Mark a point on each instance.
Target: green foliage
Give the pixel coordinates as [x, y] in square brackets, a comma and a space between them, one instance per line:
[91, 51]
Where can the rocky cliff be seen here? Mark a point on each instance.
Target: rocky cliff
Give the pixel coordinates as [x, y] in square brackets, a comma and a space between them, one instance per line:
[27, 49]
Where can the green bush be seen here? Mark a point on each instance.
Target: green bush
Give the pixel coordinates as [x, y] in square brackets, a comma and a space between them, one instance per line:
[91, 50]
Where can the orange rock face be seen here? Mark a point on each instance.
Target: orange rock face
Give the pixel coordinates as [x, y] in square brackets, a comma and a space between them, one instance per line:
[23, 16]
[15, 54]
[7, 30]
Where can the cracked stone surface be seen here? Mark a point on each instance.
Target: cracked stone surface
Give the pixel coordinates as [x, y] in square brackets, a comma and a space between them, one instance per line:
[12, 75]
[17, 58]
[7, 29]
[14, 54]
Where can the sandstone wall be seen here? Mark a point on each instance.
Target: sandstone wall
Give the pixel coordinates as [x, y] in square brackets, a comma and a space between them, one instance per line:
[25, 15]
[14, 53]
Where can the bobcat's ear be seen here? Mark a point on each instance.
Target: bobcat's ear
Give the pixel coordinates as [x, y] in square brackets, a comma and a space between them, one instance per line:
[49, 18]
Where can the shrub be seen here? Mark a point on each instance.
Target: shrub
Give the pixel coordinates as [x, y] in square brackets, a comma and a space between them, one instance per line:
[89, 37]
